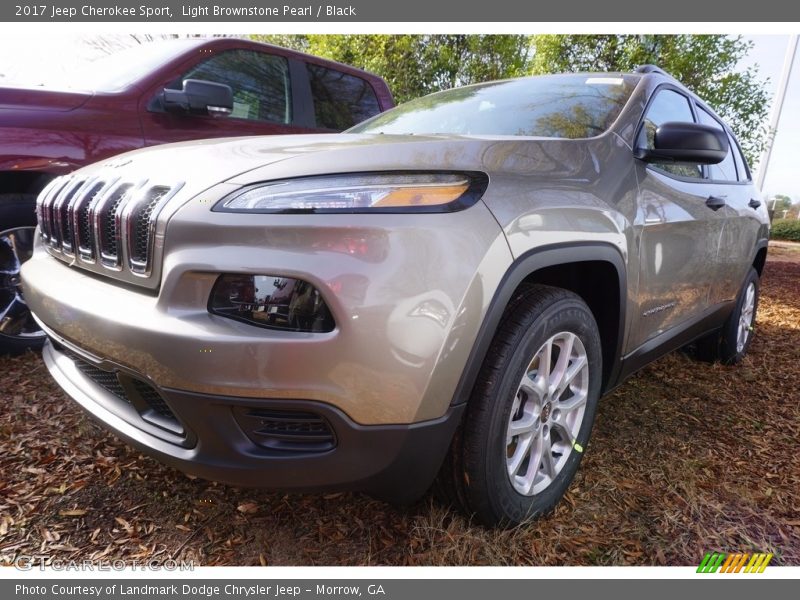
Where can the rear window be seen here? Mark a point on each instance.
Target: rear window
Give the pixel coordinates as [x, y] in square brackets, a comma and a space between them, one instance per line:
[741, 167]
[340, 100]
[555, 106]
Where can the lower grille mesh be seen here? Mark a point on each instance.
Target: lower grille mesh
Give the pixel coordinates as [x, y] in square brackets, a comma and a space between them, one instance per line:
[287, 430]
[153, 399]
[105, 379]
[134, 392]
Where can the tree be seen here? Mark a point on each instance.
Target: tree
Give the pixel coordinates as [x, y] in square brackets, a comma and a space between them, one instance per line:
[706, 64]
[284, 40]
[415, 65]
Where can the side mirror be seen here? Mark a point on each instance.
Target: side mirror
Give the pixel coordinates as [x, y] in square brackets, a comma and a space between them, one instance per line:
[686, 143]
[199, 98]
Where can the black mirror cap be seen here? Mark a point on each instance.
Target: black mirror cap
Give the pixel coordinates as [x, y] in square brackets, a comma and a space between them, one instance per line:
[199, 97]
[687, 143]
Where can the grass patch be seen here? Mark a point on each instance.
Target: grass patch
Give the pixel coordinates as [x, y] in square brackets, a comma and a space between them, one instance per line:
[786, 229]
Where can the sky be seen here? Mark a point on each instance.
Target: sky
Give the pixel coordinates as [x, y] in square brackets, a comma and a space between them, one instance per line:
[768, 54]
[25, 58]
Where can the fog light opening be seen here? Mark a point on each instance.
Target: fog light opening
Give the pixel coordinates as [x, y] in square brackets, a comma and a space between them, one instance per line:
[271, 301]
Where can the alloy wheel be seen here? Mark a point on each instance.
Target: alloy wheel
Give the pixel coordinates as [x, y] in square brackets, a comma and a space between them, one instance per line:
[746, 317]
[547, 413]
[16, 246]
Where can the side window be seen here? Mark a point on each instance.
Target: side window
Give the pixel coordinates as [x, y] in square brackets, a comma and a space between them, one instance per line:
[260, 83]
[741, 168]
[667, 106]
[340, 100]
[726, 170]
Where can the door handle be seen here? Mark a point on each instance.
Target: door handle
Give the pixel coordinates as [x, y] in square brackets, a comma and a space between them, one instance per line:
[754, 203]
[715, 203]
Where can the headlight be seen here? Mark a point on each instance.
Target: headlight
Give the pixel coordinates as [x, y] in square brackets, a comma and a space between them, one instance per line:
[369, 192]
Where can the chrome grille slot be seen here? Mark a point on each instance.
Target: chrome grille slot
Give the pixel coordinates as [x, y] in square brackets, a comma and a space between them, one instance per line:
[63, 224]
[107, 223]
[49, 212]
[141, 226]
[83, 235]
[44, 205]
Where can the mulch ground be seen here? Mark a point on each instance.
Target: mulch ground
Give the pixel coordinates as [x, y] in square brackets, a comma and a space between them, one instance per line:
[685, 458]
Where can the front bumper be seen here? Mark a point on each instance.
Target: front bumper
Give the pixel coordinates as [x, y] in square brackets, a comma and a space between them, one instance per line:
[407, 293]
[394, 462]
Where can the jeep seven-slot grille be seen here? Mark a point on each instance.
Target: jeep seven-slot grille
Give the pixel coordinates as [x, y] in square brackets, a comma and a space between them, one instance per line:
[103, 220]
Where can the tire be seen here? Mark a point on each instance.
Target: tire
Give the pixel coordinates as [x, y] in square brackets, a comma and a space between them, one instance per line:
[18, 330]
[476, 473]
[729, 345]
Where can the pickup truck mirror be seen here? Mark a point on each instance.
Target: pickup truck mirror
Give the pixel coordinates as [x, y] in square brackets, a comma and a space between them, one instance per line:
[199, 98]
[687, 143]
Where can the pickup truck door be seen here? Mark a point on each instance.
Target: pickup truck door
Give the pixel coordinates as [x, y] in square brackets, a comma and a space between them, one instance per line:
[678, 227]
[270, 97]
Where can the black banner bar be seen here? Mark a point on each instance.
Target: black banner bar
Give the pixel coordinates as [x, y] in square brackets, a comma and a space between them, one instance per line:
[730, 588]
[456, 11]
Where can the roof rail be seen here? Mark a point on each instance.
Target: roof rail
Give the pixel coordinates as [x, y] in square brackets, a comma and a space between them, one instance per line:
[643, 69]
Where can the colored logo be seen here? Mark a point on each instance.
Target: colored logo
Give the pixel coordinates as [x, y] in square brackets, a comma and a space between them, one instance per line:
[734, 563]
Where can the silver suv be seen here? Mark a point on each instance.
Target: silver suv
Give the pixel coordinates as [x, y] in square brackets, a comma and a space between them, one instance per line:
[447, 288]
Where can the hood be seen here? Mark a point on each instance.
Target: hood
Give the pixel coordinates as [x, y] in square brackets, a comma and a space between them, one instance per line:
[241, 161]
[202, 164]
[37, 98]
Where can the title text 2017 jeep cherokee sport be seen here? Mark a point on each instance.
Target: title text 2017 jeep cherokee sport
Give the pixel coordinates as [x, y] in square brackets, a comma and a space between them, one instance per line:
[177, 90]
[448, 287]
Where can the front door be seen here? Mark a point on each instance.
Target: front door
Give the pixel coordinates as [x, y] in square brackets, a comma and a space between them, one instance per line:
[678, 232]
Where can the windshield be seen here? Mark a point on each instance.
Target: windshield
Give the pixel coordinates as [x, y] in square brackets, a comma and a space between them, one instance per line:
[117, 71]
[555, 106]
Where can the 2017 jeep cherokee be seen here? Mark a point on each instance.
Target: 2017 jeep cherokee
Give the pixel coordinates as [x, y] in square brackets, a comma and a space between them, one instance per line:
[448, 288]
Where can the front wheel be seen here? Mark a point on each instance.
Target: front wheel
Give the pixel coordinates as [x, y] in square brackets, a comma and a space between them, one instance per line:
[18, 330]
[531, 412]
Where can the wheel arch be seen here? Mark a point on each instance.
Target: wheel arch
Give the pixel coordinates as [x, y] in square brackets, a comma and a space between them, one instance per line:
[760, 258]
[576, 267]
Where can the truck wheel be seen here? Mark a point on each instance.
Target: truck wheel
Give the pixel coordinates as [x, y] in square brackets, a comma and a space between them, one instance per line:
[530, 415]
[730, 343]
[18, 330]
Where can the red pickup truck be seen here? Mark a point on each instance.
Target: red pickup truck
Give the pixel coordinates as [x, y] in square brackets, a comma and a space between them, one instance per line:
[152, 94]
